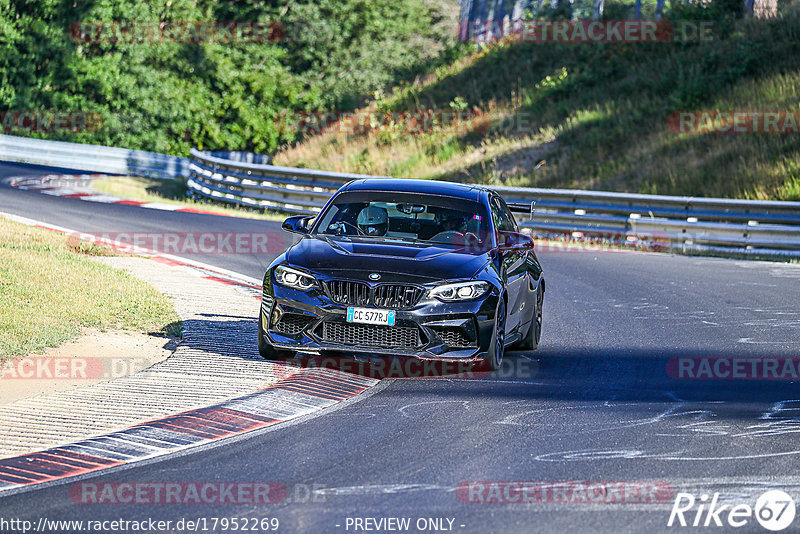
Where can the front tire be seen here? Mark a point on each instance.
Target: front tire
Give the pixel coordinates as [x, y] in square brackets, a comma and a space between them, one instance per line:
[495, 357]
[267, 351]
[534, 335]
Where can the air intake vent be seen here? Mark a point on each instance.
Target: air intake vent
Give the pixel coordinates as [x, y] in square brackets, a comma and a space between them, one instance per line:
[383, 296]
[454, 337]
[397, 296]
[350, 293]
[371, 335]
[292, 323]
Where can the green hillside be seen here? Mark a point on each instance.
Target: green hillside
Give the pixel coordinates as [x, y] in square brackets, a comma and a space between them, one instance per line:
[595, 115]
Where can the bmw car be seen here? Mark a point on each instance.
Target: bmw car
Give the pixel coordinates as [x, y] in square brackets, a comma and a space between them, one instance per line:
[389, 267]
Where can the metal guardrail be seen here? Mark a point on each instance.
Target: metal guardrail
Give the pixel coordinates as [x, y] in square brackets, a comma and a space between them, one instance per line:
[287, 189]
[95, 158]
[688, 224]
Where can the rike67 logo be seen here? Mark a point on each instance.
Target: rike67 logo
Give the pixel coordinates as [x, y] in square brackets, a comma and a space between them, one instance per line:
[774, 510]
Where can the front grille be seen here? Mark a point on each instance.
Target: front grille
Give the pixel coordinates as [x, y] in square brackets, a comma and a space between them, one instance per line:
[292, 323]
[396, 296]
[384, 296]
[347, 292]
[371, 335]
[455, 337]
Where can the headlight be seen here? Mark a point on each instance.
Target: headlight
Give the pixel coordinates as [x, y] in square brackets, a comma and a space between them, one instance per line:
[286, 276]
[460, 291]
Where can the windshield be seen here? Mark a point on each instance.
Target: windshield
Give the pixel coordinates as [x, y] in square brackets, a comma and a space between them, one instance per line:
[428, 219]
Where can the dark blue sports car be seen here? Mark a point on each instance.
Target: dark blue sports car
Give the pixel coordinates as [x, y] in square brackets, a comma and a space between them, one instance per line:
[425, 269]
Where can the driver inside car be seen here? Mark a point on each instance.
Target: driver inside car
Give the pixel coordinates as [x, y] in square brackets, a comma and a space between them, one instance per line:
[373, 221]
[457, 229]
[450, 222]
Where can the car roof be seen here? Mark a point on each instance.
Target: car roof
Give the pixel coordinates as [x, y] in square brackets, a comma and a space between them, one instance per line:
[408, 185]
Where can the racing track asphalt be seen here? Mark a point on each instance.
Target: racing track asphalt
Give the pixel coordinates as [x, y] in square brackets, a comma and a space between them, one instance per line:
[594, 403]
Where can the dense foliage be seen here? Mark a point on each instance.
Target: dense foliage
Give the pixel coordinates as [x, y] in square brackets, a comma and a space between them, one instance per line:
[169, 96]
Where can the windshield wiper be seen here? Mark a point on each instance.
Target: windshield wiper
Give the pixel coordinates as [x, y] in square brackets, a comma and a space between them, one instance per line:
[329, 241]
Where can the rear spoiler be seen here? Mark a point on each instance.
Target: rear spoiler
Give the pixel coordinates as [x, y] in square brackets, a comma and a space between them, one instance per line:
[523, 207]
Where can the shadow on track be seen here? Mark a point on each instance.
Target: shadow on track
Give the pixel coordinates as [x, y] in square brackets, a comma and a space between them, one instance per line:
[622, 374]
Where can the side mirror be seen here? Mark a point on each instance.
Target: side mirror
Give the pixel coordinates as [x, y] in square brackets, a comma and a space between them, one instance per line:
[297, 224]
[514, 241]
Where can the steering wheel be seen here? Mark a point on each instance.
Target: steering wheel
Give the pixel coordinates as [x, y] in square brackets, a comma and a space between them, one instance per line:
[472, 240]
[449, 237]
[340, 225]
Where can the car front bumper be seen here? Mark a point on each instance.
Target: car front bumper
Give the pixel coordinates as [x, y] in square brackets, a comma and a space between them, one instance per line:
[311, 323]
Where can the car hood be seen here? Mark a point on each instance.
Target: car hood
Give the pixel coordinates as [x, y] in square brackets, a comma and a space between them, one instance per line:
[394, 261]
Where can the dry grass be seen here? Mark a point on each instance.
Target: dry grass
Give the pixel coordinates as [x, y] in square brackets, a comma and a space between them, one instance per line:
[50, 289]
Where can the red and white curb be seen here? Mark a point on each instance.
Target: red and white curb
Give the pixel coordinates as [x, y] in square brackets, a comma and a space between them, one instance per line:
[79, 186]
[304, 392]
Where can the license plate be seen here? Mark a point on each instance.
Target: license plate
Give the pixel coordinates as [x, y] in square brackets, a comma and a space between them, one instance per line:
[370, 316]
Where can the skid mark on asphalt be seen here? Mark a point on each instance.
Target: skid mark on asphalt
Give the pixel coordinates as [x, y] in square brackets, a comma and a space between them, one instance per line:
[382, 489]
[750, 341]
[694, 421]
[634, 454]
[404, 410]
[513, 419]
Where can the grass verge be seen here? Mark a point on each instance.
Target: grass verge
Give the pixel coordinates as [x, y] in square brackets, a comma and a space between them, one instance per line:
[174, 192]
[50, 289]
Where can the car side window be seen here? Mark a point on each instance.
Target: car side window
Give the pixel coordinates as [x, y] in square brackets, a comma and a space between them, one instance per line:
[497, 219]
[503, 220]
